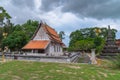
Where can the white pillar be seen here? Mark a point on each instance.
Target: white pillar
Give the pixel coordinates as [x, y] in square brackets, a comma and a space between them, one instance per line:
[93, 58]
[32, 51]
[93, 53]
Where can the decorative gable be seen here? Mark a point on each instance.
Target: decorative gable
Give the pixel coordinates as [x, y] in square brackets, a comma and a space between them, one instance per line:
[41, 35]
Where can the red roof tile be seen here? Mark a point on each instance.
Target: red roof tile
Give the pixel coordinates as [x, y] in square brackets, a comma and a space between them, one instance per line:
[52, 33]
[35, 44]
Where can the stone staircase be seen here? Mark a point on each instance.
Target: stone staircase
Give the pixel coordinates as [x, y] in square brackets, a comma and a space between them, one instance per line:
[75, 58]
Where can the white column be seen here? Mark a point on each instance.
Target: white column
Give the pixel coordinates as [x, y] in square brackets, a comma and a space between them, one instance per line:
[32, 51]
[93, 58]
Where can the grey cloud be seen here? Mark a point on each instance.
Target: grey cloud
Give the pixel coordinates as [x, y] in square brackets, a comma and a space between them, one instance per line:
[99, 9]
[21, 10]
[109, 9]
[24, 16]
[82, 7]
[48, 5]
[23, 3]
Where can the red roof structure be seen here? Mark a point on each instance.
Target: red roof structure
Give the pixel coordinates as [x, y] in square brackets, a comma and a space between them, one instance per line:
[50, 31]
[42, 44]
[36, 44]
[52, 34]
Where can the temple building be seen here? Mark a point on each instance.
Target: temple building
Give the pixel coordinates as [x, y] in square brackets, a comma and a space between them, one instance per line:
[45, 41]
[118, 43]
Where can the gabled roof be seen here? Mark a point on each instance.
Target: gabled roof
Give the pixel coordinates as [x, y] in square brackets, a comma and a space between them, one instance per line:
[42, 44]
[53, 36]
[36, 44]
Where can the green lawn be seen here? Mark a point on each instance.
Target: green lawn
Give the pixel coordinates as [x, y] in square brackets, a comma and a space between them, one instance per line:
[26, 70]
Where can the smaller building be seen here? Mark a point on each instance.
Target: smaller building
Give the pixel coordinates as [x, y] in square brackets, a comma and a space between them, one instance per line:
[45, 41]
[118, 43]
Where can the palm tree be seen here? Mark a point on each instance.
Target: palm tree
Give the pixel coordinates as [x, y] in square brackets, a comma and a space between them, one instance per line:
[61, 35]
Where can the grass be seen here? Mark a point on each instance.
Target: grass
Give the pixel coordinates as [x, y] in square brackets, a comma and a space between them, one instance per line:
[26, 70]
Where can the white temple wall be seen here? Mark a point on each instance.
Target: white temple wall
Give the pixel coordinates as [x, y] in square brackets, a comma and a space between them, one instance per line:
[55, 49]
[41, 35]
[47, 50]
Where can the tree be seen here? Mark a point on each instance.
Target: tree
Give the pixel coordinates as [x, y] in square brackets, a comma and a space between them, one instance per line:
[104, 32]
[3, 16]
[97, 41]
[5, 24]
[20, 35]
[15, 41]
[99, 44]
[84, 45]
[78, 37]
[61, 35]
[1, 32]
[29, 27]
[75, 36]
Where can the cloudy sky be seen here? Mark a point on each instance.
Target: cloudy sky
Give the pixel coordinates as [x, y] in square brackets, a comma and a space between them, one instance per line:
[66, 15]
